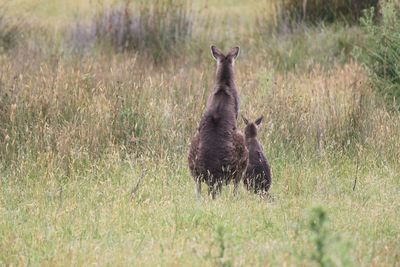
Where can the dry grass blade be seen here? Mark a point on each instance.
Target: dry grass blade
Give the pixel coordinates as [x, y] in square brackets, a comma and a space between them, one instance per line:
[136, 187]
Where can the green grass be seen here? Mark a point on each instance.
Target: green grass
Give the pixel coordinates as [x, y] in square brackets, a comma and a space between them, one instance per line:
[94, 218]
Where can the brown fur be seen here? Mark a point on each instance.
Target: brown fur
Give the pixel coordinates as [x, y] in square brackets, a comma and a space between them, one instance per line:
[258, 173]
[218, 152]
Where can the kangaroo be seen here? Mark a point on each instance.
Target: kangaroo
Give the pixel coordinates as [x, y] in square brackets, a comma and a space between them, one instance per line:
[258, 173]
[218, 152]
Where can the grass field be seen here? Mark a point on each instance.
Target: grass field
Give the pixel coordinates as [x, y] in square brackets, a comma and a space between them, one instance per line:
[93, 147]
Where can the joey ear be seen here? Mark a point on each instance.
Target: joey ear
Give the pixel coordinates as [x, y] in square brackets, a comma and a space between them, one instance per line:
[259, 120]
[216, 53]
[234, 52]
[246, 121]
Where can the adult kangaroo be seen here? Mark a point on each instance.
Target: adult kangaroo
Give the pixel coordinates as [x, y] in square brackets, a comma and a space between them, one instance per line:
[218, 152]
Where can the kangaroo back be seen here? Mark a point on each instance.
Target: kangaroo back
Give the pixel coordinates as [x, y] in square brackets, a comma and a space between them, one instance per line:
[218, 151]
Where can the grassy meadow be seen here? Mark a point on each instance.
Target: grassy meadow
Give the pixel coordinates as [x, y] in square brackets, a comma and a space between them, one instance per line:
[98, 105]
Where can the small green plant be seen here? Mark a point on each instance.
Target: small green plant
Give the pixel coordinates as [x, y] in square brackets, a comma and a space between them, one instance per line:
[381, 52]
[325, 244]
[220, 243]
[320, 235]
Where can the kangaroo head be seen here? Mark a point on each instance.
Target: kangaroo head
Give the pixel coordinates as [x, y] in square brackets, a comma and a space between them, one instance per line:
[225, 63]
[251, 128]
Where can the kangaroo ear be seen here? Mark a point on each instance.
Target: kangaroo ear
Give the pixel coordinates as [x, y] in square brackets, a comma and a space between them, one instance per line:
[259, 120]
[234, 52]
[246, 121]
[216, 53]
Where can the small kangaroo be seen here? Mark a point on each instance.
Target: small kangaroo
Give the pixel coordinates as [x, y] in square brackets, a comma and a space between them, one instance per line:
[218, 152]
[258, 173]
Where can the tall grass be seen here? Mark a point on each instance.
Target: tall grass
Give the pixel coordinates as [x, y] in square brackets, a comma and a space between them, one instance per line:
[158, 28]
[294, 44]
[381, 51]
[81, 110]
[301, 50]
[291, 13]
